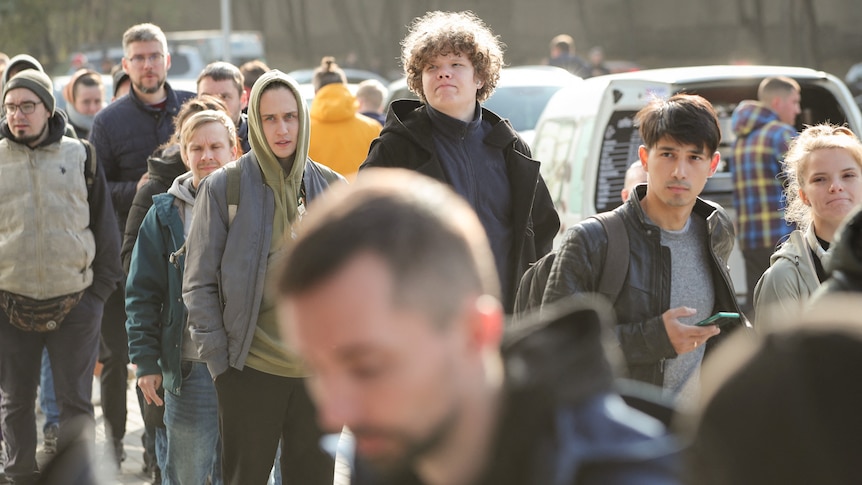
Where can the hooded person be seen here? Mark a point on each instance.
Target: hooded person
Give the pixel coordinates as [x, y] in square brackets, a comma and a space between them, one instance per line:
[231, 312]
[340, 135]
[85, 96]
[19, 63]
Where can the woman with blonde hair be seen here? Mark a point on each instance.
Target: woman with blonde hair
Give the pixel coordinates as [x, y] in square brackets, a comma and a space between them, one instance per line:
[823, 166]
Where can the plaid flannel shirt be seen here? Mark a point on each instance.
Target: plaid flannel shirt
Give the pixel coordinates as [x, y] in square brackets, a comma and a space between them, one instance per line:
[757, 169]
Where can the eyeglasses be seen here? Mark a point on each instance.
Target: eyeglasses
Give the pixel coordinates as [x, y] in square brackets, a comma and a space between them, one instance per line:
[140, 60]
[27, 107]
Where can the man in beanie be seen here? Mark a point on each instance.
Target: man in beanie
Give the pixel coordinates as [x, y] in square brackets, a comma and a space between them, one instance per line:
[59, 262]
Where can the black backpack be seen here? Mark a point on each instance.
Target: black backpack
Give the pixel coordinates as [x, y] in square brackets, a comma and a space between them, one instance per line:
[531, 289]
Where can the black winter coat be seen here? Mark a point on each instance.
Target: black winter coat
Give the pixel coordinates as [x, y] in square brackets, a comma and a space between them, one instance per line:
[163, 167]
[845, 258]
[646, 292]
[406, 142]
[124, 135]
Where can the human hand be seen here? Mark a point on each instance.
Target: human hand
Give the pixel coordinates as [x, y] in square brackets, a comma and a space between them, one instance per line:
[149, 385]
[686, 338]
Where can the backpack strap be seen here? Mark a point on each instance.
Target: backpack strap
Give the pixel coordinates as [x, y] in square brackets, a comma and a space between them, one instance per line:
[233, 179]
[616, 264]
[89, 165]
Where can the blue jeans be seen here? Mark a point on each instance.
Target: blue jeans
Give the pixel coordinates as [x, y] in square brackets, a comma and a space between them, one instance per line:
[47, 398]
[191, 421]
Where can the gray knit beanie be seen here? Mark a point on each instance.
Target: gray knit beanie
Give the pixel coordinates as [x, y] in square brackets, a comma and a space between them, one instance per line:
[36, 81]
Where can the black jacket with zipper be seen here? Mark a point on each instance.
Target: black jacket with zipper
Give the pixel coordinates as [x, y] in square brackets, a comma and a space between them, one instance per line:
[646, 292]
[406, 142]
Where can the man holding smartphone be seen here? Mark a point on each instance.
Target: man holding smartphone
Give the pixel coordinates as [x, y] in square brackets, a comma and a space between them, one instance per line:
[679, 247]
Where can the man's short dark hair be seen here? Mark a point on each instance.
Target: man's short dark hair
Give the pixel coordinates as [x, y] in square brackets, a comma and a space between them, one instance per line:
[223, 71]
[429, 238]
[251, 71]
[686, 118]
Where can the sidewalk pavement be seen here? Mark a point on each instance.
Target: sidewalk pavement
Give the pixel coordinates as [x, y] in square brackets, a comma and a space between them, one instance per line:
[131, 470]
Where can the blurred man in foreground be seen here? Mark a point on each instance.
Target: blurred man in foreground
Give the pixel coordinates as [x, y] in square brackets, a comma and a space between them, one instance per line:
[391, 296]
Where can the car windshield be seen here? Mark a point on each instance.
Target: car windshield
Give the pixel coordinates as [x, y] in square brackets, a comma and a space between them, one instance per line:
[522, 105]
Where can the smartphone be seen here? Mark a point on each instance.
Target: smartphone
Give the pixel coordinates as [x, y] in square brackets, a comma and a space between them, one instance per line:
[719, 319]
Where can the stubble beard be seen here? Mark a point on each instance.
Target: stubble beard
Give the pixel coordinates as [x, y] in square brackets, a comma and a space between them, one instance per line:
[393, 466]
[151, 90]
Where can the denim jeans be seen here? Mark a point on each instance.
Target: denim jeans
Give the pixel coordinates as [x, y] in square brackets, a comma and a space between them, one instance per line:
[47, 398]
[191, 421]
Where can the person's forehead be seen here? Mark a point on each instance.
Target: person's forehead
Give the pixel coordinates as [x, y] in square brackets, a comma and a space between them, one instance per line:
[669, 143]
[277, 98]
[210, 86]
[21, 95]
[145, 47]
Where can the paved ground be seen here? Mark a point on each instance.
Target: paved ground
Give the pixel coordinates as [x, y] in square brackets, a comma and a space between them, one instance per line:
[131, 469]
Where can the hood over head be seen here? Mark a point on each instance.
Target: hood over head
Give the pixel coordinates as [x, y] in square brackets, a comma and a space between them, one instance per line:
[287, 188]
[28, 61]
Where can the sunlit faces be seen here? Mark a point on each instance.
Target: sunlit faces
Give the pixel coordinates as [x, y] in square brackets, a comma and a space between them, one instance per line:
[279, 114]
[831, 185]
[89, 100]
[226, 90]
[788, 107]
[389, 374]
[676, 172]
[207, 149]
[450, 85]
[29, 129]
[147, 65]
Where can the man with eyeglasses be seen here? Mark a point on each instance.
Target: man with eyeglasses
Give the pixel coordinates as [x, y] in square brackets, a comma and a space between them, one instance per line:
[124, 134]
[59, 262]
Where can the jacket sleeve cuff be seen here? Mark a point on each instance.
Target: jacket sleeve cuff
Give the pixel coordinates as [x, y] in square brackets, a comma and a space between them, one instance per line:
[217, 366]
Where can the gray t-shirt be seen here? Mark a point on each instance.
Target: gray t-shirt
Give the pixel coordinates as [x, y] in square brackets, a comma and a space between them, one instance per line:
[691, 286]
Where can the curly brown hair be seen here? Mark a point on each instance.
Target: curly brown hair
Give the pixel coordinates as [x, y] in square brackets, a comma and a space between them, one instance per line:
[441, 33]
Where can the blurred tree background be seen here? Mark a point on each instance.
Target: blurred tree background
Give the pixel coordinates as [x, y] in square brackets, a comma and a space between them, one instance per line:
[823, 34]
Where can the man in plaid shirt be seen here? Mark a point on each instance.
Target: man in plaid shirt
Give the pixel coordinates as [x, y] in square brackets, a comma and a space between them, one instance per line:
[763, 129]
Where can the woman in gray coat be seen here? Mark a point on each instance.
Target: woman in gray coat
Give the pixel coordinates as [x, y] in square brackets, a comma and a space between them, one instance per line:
[824, 184]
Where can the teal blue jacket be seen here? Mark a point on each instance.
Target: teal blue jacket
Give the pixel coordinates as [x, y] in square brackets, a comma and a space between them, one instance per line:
[155, 313]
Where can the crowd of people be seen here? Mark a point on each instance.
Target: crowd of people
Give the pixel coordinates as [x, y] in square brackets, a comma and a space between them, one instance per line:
[282, 275]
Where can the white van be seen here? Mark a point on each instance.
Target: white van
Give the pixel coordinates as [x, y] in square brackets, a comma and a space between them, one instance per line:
[586, 137]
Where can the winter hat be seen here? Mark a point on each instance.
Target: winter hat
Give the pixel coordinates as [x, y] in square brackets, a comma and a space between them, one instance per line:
[119, 76]
[21, 62]
[36, 81]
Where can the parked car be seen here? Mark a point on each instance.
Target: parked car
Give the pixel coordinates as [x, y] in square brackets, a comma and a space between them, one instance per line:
[854, 78]
[245, 45]
[521, 94]
[586, 137]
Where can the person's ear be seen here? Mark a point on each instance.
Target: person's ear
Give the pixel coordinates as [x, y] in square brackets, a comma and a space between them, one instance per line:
[713, 164]
[485, 316]
[804, 198]
[643, 155]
